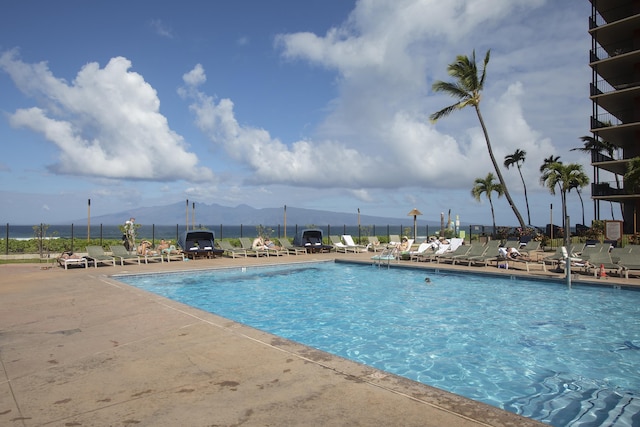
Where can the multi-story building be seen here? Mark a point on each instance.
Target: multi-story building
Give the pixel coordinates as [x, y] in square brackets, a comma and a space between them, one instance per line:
[615, 92]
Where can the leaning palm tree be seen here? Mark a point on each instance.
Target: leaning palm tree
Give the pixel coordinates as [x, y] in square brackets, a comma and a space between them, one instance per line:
[466, 88]
[594, 145]
[565, 177]
[487, 186]
[517, 159]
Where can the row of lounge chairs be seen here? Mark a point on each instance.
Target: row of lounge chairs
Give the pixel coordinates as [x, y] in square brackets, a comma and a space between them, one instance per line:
[119, 254]
[599, 258]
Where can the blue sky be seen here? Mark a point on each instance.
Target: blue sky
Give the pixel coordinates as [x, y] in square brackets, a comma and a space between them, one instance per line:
[321, 104]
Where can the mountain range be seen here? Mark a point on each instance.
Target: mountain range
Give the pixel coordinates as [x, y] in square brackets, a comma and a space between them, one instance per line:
[215, 214]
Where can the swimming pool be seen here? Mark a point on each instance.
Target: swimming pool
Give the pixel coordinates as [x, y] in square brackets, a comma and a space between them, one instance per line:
[567, 357]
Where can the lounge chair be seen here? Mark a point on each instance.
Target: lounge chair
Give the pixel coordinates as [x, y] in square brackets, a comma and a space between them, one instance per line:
[231, 250]
[459, 251]
[444, 248]
[531, 248]
[338, 245]
[425, 249]
[474, 250]
[152, 256]
[628, 261]
[97, 255]
[394, 239]
[286, 245]
[602, 260]
[277, 251]
[490, 254]
[348, 240]
[247, 245]
[67, 259]
[375, 245]
[171, 253]
[557, 256]
[119, 251]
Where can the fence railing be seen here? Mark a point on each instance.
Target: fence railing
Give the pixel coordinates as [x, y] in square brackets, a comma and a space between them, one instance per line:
[78, 235]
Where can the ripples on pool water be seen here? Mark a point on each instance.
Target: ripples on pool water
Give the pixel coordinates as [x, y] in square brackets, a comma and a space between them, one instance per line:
[566, 357]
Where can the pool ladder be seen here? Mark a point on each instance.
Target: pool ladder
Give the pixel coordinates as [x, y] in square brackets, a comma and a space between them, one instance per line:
[387, 254]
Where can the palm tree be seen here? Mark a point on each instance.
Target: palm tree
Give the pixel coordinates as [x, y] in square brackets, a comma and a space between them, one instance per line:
[466, 88]
[517, 159]
[565, 177]
[487, 186]
[548, 161]
[593, 145]
[632, 177]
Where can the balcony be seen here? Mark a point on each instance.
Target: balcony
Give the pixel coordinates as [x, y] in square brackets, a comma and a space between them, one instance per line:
[616, 10]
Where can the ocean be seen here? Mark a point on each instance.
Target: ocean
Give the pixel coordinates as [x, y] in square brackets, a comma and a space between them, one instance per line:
[170, 232]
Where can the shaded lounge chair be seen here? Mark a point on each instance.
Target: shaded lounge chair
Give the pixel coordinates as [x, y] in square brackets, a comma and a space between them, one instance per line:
[231, 250]
[286, 245]
[97, 255]
[394, 239]
[120, 252]
[311, 239]
[199, 243]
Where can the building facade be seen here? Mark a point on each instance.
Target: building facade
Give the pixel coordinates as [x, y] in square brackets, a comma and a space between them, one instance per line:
[614, 58]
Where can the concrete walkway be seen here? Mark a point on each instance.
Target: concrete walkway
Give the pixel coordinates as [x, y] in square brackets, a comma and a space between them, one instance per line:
[78, 348]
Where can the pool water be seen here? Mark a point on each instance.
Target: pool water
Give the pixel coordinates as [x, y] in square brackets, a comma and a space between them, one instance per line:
[566, 357]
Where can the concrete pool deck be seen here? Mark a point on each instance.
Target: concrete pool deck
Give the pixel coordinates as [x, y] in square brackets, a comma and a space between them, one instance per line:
[78, 348]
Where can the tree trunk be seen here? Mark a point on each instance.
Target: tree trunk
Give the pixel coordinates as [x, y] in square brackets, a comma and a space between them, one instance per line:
[497, 168]
[493, 217]
[526, 198]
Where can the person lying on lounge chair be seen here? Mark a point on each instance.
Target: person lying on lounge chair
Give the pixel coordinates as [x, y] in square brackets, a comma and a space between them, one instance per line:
[268, 243]
[259, 244]
[69, 255]
[403, 246]
[144, 248]
[509, 253]
[162, 245]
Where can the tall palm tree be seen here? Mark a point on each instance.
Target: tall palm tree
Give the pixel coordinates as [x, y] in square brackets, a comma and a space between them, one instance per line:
[517, 159]
[632, 177]
[466, 88]
[487, 186]
[595, 145]
[566, 178]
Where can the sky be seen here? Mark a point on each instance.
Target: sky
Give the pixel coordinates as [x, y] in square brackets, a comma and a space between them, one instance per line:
[321, 104]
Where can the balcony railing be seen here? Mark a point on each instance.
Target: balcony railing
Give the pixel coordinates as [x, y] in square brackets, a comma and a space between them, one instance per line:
[611, 85]
[611, 50]
[604, 189]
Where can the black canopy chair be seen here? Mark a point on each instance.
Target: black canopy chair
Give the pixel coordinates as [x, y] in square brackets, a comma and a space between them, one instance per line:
[311, 240]
[199, 243]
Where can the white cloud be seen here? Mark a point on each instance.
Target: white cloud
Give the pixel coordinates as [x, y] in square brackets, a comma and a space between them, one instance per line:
[106, 123]
[377, 133]
[195, 77]
[161, 28]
